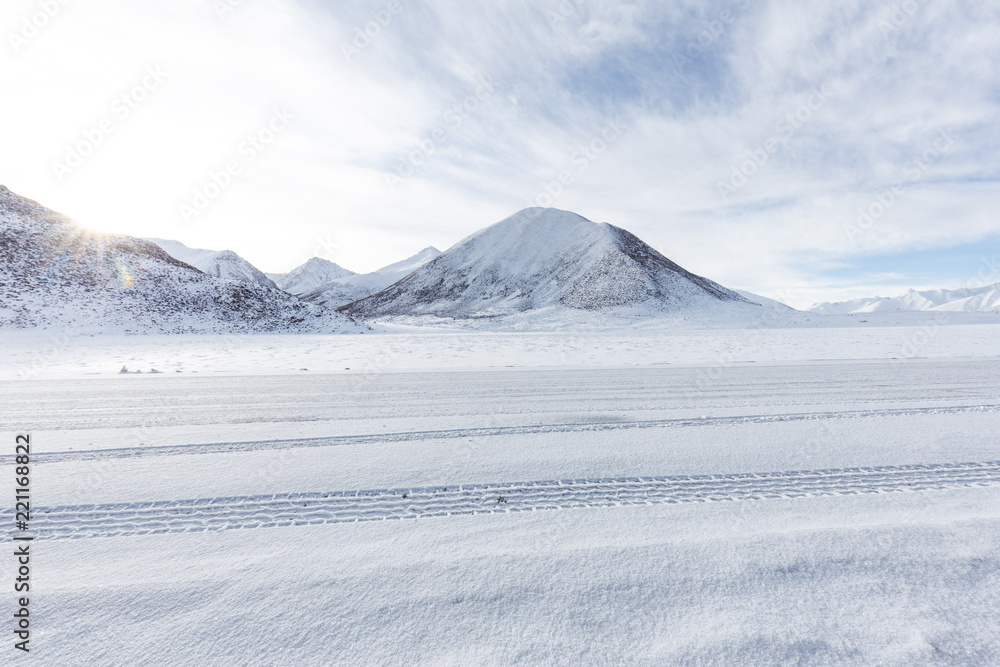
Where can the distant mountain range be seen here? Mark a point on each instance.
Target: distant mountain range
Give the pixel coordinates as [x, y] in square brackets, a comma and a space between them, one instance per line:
[541, 267]
[317, 281]
[973, 299]
[55, 273]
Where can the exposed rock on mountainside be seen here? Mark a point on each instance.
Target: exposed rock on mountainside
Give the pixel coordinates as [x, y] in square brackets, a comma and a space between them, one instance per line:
[218, 263]
[55, 273]
[547, 259]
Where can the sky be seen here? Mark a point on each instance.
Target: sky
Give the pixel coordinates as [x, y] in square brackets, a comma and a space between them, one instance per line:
[804, 151]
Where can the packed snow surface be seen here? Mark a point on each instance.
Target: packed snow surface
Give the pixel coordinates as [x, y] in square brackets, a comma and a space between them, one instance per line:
[598, 502]
[218, 263]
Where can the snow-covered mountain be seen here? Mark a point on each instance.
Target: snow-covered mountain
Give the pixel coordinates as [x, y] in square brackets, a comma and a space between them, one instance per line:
[55, 273]
[309, 276]
[342, 291]
[544, 259]
[407, 266]
[772, 304]
[970, 299]
[218, 263]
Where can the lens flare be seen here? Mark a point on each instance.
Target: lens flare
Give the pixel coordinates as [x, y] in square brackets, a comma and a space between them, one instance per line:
[125, 273]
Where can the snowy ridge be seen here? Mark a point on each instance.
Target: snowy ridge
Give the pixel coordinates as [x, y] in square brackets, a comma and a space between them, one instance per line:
[53, 272]
[307, 277]
[410, 264]
[969, 300]
[543, 259]
[342, 291]
[219, 263]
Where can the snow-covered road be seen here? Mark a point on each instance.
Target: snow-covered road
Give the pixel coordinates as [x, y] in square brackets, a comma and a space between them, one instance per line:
[812, 513]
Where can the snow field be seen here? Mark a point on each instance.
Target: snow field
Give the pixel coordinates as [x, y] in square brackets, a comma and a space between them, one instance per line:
[910, 336]
[774, 512]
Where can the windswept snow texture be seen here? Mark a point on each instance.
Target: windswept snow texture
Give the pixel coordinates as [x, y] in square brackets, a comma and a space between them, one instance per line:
[309, 276]
[219, 263]
[344, 290]
[969, 300]
[544, 258]
[844, 512]
[54, 273]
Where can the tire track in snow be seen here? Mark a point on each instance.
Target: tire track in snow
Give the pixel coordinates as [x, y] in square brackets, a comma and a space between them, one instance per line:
[481, 432]
[294, 509]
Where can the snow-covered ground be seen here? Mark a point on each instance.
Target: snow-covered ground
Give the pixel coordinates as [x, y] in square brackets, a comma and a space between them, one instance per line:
[822, 495]
[60, 352]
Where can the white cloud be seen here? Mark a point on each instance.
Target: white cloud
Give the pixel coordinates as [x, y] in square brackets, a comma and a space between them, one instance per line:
[561, 71]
